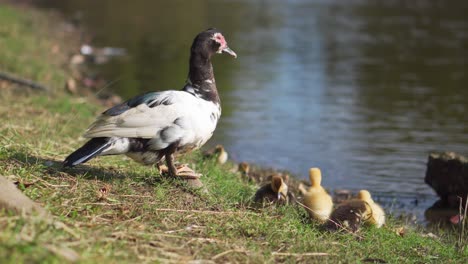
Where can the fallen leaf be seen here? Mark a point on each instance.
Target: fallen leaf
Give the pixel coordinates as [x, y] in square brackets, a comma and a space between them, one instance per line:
[401, 231]
[103, 192]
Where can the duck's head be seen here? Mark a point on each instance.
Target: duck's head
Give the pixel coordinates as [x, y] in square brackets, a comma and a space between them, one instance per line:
[315, 176]
[365, 195]
[279, 187]
[211, 41]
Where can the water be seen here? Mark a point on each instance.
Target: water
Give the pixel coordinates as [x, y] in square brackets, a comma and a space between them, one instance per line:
[365, 90]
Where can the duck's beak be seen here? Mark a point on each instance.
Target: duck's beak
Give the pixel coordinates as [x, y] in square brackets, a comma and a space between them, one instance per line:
[229, 51]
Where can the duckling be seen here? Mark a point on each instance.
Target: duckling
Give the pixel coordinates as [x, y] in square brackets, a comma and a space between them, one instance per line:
[319, 203]
[291, 198]
[244, 169]
[349, 215]
[274, 192]
[252, 175]
[219, 152]
[222, 154]
[378, 214]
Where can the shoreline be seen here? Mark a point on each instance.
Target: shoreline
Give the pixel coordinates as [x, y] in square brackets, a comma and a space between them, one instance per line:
[120, 211]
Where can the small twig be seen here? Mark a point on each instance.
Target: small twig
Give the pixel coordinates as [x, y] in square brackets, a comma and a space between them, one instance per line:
[199, 239]
[109, 84]
[49, 184]
[64, 227]
[21, 81]
[132, 219]
[134, 195]
[200, 211]
[462, 216]
[109, 204]
[227, 252]
[308, 254]
[64, 252]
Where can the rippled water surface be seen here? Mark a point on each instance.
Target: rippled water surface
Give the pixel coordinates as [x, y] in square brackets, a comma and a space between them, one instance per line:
[362, 89]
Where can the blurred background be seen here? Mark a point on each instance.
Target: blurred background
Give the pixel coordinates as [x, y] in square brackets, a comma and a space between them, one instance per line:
[365, 90]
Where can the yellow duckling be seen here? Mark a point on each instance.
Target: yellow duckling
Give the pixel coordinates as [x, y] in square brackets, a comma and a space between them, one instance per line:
[222, 154]
[349, 215]
[319, 203]
[378, 214]
[219, 152]
[274, 192]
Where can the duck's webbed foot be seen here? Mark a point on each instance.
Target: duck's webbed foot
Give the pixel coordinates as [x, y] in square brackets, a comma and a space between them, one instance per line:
[180, 170]
[183, 170]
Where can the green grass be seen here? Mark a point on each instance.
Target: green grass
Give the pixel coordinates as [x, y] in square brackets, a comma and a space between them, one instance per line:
[33, 45]
[115, 210]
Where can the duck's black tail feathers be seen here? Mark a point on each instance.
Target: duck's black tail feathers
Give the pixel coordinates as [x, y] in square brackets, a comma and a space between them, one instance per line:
[88, 151]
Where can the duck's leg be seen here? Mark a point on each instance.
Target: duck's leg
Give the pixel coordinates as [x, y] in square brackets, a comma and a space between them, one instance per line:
[170, 165]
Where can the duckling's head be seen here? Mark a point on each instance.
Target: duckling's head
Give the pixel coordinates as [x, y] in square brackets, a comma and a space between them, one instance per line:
[244, 167]
[278, 186]
[315, 176]
[365, 195]
[219, 149]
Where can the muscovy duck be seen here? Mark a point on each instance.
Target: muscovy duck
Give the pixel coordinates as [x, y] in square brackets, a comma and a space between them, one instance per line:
[152, 127]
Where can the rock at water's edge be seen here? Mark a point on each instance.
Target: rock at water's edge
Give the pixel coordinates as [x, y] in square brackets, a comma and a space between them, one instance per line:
[447, 174]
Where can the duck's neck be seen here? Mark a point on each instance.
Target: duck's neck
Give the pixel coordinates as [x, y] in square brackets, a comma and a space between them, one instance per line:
[201, 81]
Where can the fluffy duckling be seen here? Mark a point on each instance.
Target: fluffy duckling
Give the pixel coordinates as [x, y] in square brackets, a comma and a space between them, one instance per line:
[378, 214]
[274, 192]
[349, 215]
[219, 152]
[319, 203]
[222, 154]
[253, 174]
[244, 169]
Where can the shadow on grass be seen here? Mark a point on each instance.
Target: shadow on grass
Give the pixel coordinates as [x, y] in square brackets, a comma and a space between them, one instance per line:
[54, 168]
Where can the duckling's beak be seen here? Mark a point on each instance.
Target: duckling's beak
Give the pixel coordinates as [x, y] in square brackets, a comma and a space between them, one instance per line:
[229, 51]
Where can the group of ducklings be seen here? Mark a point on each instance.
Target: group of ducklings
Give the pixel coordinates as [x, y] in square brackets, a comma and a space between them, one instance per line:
[348, 215]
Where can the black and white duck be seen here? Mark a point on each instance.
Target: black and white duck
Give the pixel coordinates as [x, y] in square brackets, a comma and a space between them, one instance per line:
[154, 126]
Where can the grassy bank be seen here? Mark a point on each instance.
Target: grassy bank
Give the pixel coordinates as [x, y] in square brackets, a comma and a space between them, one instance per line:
[115, 210]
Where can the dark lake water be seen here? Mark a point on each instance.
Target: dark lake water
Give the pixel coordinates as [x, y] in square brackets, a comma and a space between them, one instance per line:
[365, 90]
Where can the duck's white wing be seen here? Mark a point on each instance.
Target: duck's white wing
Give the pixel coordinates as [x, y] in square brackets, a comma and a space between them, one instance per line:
[145, 116]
